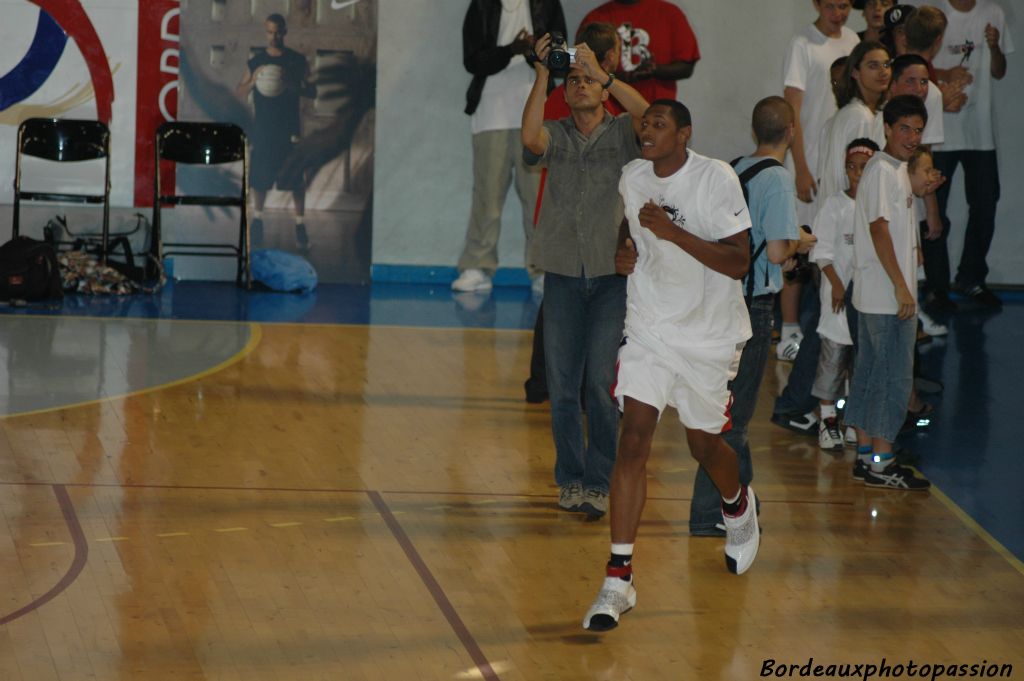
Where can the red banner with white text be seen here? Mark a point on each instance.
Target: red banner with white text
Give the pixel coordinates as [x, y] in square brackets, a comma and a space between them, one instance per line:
[156, 97]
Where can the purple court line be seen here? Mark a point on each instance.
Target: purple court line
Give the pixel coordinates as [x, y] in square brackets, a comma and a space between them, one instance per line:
[333, 490]
[446, 607]
[81, 555]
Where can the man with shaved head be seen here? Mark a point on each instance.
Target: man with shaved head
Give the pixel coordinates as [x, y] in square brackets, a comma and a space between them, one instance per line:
[774, 239]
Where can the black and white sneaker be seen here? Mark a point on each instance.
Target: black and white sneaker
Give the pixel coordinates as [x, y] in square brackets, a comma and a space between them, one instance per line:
[616, 598]
[789, 347]
[860, 470]
[805, 424]
[742, 536]
[979, 294]
[829, 436]
[896, 476]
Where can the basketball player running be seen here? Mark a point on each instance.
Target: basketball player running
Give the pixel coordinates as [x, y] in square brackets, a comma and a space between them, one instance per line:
[684, 246]
[278, 78]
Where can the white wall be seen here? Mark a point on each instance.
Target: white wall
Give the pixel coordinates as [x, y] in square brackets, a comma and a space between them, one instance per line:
[423, 164]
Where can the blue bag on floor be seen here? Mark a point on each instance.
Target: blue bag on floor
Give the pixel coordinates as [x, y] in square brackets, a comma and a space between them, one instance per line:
[283, 271]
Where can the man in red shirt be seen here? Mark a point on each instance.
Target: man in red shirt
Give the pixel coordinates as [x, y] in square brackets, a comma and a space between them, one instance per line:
[658, 45]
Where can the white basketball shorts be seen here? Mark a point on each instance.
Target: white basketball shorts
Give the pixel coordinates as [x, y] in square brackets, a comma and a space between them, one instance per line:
[694, 381]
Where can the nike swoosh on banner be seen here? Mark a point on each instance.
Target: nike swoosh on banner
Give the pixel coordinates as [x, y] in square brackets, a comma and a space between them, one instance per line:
[342, 4]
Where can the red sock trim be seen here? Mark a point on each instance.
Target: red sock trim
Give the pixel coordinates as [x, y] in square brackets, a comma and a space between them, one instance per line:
[624, 571]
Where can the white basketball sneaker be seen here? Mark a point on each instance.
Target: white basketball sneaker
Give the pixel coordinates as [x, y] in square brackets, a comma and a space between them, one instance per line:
[742, 536]
[616, 597]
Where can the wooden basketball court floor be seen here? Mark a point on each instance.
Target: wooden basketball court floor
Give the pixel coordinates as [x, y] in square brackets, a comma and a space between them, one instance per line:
[235, 500]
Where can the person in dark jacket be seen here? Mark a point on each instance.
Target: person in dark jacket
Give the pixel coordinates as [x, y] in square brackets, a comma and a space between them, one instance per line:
[497, 36]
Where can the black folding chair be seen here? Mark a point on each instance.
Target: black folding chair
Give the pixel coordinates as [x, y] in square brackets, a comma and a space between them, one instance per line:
[57, 139]
[198, 143]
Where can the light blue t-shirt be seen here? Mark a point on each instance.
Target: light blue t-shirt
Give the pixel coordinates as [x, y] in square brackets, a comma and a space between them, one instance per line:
[772, 203]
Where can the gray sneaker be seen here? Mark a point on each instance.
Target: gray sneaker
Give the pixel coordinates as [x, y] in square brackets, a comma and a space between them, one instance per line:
[570, 496]
[595, 503]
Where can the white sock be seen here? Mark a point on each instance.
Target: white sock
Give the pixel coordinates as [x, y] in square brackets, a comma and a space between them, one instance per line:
[790, 330]
[300, 219]
[827, 411]
[622, 549]
[735, 498]
[880, 461]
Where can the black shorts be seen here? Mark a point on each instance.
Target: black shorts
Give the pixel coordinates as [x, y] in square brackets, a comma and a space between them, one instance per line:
[269, 154]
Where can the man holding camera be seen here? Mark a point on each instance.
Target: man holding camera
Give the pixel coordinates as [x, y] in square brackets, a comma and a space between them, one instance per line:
[575, 242]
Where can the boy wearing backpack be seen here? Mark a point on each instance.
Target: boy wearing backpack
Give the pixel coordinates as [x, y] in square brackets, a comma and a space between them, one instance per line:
[774, 238]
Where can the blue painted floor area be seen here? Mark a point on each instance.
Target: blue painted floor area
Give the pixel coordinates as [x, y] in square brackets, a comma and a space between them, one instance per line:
[971, 451]
[505, 307]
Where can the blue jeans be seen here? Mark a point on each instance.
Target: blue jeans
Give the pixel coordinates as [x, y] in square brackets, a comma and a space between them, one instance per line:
[883, 374]
[797, 397]
[583, 323]
[706, 506]
[981, 188]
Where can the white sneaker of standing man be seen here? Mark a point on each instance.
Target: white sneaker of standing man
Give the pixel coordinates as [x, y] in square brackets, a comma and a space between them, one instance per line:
[472, 280]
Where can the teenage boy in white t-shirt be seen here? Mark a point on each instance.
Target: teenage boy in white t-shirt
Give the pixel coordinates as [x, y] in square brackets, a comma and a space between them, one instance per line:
[807, 87]
[684, 246]
[886, 254]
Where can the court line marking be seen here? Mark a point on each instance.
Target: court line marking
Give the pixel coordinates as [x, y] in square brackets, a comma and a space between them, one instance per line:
[220, 530]
[67, 509]
[976, 527]
[277, 324]
[436, 592]
[378, 325]
[255, 336]
[346, 490]
[81, 548]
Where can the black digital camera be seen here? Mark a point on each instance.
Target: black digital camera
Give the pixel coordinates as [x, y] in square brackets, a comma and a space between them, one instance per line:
[561, 56]
[803, 272]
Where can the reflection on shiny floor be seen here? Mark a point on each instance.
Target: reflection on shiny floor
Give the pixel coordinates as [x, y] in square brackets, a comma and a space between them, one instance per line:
[375, 502]
[49, 362]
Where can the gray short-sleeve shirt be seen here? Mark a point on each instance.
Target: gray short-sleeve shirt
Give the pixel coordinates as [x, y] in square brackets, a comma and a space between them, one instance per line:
[581, 209]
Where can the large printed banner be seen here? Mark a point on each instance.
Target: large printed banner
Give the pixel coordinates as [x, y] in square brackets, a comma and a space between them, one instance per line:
[71, 59]
[297, 75]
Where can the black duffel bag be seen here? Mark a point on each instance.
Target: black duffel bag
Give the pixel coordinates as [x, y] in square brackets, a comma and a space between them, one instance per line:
[29, 271]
